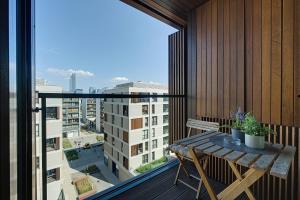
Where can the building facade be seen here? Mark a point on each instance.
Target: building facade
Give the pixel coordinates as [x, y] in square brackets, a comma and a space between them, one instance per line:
[135, 130]
[71, 117]
[53, 143]
[89, 110]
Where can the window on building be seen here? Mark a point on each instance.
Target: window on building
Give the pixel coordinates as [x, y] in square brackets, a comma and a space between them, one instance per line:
[153, 155]
[105, 137]
[112, 151]
[146, 146]
[115, 169]
[136, 123]
[166, 119]
[118, 132]
[146, 121]
[105, 117]
[153, 109]
[112, 108]
[113, 140]
[154, 120]
[53, 175]
[165, 129]
[122, 146]
[166, 140]
[154, 144]
[112, 130]
[136, 149]
[112, 119]
[153, 132]
[154, 99]
[125, 136]
[125, 162]
[105, 159]
[52, 144]
[37, 130]
[125, 110]
[122, 122]
[118, 156]
[118, 109]
[145, 109]
[37, 162]
[145, 134]
[145, 159]
[52, 113]
[166, 108]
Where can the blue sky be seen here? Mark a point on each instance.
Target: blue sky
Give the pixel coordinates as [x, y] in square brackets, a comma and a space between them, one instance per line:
[105, 42]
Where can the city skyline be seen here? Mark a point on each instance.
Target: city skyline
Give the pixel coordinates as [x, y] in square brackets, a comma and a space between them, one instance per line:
[102, 58]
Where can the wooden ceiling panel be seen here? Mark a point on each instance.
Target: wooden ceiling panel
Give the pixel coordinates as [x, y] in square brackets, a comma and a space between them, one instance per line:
[173, 12]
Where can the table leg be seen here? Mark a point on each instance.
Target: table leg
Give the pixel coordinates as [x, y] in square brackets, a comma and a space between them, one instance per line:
[239, 186]
[239, 177]
[202, 174]
[182, 164]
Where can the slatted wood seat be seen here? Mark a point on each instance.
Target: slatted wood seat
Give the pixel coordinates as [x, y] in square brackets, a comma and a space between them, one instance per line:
[182, 150]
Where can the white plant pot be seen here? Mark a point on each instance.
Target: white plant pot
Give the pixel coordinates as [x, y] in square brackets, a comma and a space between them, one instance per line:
[257, 142]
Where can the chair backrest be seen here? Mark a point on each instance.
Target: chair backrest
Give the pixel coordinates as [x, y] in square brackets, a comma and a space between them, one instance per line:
[201, 125]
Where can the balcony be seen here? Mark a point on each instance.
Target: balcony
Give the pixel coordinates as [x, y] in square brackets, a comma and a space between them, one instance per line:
[225, 55]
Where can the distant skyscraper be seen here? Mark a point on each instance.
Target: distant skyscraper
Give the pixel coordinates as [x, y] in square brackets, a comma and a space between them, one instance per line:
[92, 90]
[73, 82]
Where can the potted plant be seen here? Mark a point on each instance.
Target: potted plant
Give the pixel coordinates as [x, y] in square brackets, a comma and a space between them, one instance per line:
[255, 132]
[237, 126]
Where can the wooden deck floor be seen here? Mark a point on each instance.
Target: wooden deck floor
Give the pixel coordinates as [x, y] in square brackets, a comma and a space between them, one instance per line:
[161, 187]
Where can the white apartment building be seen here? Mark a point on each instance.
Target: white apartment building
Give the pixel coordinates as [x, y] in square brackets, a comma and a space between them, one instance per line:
[89, 111]
[71, 117]
[136, 130]
[53, 142]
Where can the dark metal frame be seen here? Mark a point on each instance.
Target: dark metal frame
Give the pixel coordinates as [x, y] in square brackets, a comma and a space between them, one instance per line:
[134, 181]
[25, 140]
[4, 101]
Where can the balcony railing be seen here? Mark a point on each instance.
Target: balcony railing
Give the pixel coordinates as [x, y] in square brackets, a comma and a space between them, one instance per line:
[124, 111]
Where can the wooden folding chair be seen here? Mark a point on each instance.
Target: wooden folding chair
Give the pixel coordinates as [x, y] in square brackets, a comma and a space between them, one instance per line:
[182, 153]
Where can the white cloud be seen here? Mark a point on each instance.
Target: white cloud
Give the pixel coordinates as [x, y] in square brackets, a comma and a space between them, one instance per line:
[155, 83]
[68, 72]
[119, 79]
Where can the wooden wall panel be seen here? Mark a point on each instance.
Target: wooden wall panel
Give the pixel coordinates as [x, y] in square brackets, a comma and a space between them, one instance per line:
[276, 62]
[297, 62]
[214, 62]
[247, 57]
[226, 53]
[240, 54]
[249, 54]
[266, 60]
[177, 106]
[257, 59]
[220, 58]
[287, 62]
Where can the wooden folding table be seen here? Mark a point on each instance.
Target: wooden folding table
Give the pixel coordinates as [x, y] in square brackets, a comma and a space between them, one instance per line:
[274, 159]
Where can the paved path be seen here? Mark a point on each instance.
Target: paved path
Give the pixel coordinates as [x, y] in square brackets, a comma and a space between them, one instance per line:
[101, 181]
